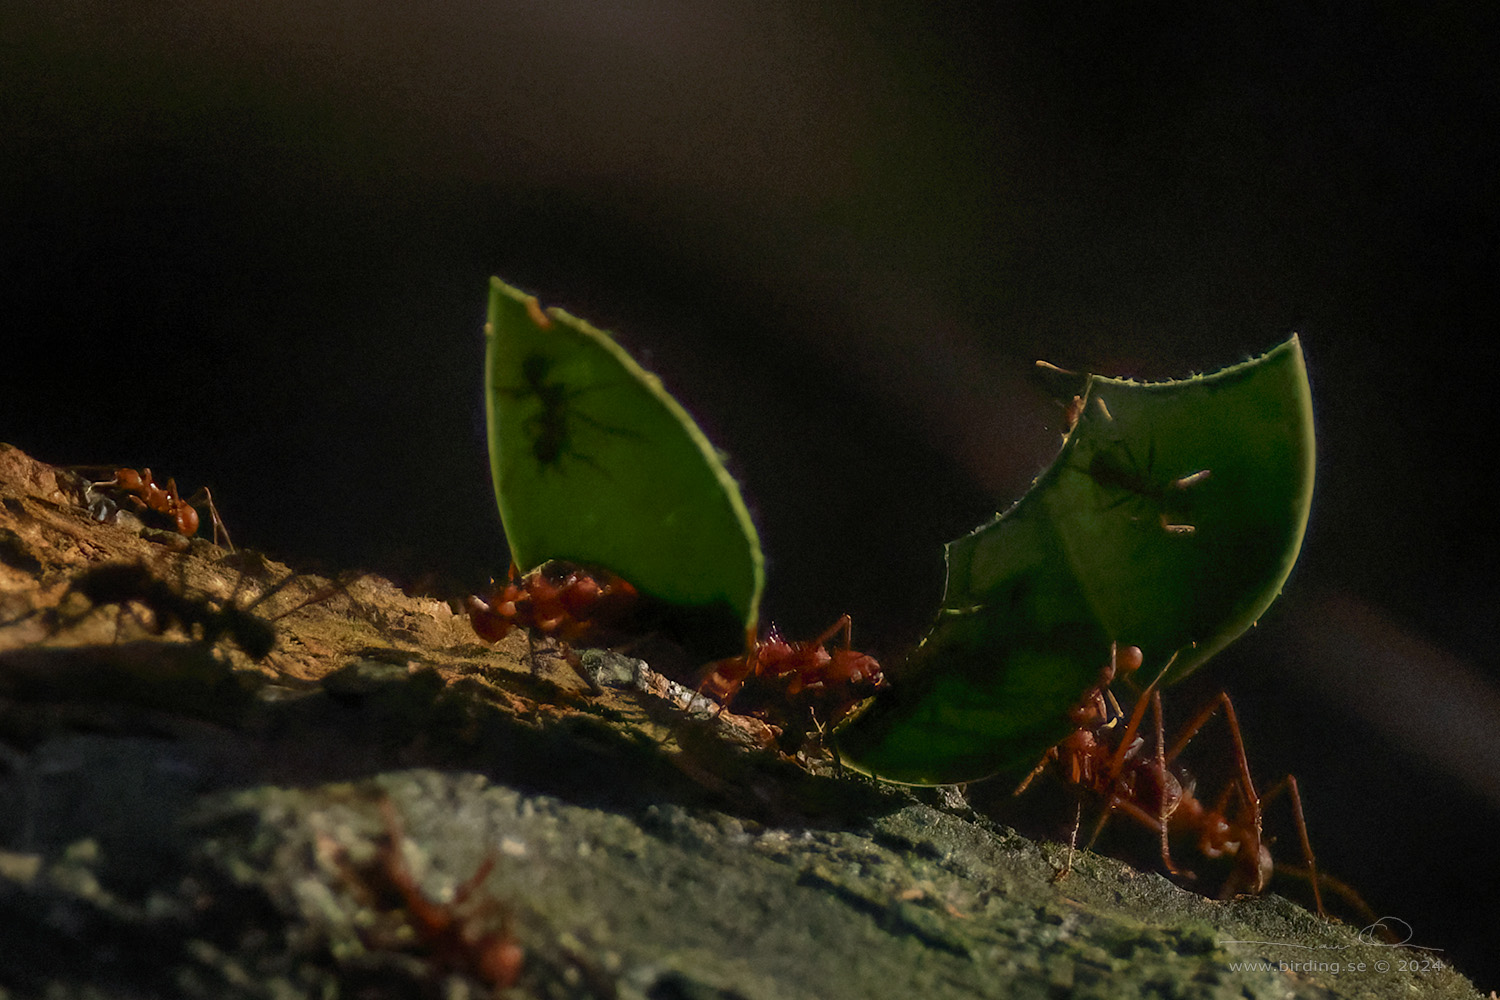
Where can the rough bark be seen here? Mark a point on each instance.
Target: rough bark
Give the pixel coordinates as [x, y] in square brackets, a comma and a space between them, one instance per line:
[182, 820]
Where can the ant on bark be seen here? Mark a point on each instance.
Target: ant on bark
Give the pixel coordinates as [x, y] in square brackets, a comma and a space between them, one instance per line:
[559, 599]
[831, 683]
[139, 487]
[1154, 791]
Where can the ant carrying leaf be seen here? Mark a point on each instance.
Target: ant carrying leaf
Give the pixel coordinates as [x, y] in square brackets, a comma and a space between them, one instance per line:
[800, 682]
[1172, 515]
[595, 464]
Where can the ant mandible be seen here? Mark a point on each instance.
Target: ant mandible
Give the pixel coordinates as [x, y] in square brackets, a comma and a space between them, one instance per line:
[140, 487]
[836, 680]
[1160, 796]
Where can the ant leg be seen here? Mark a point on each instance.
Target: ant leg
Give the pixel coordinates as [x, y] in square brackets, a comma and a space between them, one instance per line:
[844, 624]
[1067, 867]
[206, 498]
[1158, 822]
[473, 882]
[1117, 762]
[334, 588]
[1026, 781]
[1231, 720]
[1289, 783]
[1253, 861]
[1193, 479]
[1163, 812]
[1349, 895]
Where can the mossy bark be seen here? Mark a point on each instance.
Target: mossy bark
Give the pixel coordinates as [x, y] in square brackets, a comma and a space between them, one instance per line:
[184, 821]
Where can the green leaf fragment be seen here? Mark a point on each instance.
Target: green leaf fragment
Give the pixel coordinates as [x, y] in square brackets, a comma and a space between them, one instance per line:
[595, 463]
[1170, 520]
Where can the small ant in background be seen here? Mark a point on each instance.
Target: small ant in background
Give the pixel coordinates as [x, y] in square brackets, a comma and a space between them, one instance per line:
[139, 487]
[832, 683]
[1111, 761]
[453, 936]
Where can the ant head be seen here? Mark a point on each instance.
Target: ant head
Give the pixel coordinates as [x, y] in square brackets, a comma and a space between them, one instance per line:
[1126, 661]
[579, 593]
[130, 480]
[490, 623]
[1254, 872]
[854, 667]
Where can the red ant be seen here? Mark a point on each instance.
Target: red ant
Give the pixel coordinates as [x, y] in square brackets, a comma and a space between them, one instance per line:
[145, 495]
[448, 932]
[1150, 789]
[838, 680]
[558, 599]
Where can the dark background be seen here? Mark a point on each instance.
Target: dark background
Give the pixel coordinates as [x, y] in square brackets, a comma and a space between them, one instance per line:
[247, 245]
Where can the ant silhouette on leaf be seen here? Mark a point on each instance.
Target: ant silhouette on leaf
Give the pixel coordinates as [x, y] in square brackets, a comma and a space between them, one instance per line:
[1139, 485]
[1117, 468]
[551, 429]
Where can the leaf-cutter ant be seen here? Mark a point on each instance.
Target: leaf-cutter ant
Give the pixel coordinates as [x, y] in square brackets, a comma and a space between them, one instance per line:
[781, 674]
[561, 600]
[1107, 757]
[165, 503]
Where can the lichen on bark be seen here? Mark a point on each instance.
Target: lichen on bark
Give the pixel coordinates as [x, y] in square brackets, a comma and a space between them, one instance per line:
[181, 820]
